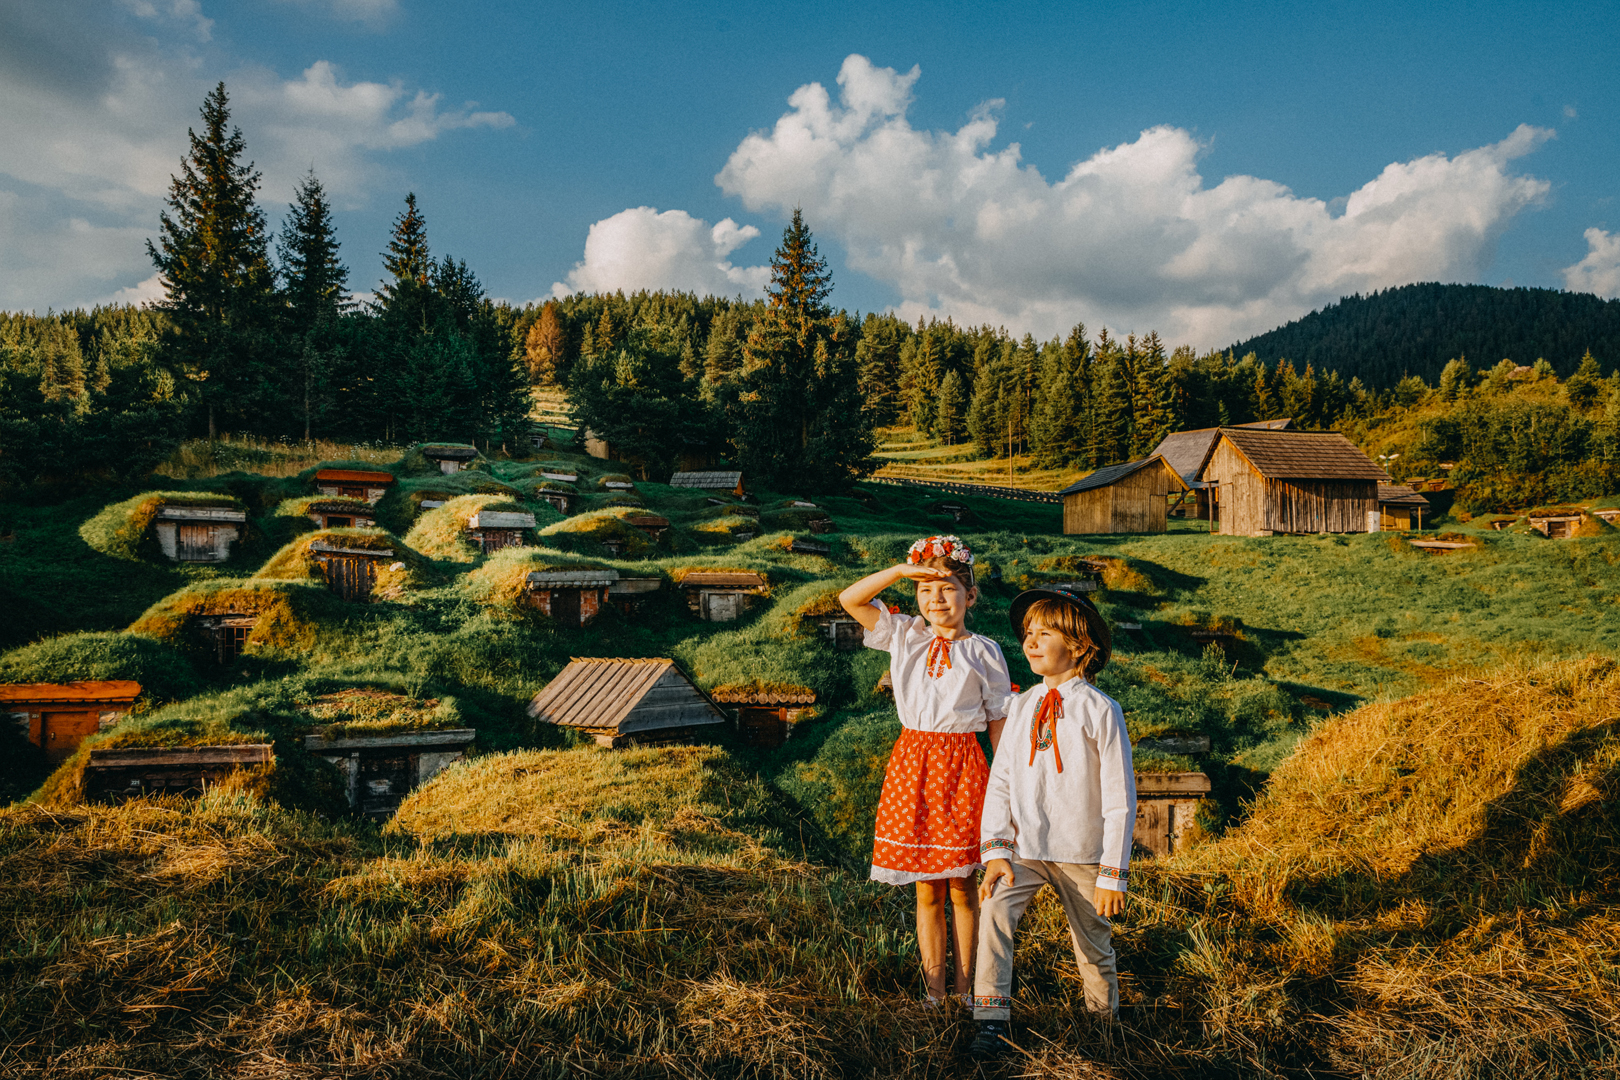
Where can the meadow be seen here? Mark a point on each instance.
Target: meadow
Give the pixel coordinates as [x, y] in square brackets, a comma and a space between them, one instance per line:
[1407, 864]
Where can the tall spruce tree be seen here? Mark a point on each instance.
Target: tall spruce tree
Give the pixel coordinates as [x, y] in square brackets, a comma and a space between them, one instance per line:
[315, 284]
[213, 257]
[406, 296]
[800, 421]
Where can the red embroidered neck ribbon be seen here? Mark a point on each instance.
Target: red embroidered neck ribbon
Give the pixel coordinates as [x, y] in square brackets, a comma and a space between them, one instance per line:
[1043, 731]
[939, 656]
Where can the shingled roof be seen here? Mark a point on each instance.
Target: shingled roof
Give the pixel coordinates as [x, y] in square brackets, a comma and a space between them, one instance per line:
[623, 696]
[1301, 455]
[1111, 474]
[1399, 495]
[1186, 451]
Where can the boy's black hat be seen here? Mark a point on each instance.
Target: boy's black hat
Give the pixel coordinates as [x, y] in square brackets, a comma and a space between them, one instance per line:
[1096, 626]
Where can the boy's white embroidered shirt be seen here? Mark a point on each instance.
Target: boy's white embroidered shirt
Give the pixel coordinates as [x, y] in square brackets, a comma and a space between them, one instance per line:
[967, 696]
[1084, 814]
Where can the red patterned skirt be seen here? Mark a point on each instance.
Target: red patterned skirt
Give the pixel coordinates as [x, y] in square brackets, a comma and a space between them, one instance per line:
[928, 815]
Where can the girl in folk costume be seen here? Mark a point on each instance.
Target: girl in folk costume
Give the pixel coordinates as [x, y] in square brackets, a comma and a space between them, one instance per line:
[949, 684]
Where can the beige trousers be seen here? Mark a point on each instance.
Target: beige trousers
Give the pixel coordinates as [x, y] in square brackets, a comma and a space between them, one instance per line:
[1091, 934]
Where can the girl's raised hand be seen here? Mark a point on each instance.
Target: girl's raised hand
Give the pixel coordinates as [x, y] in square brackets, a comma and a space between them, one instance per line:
[922, 573]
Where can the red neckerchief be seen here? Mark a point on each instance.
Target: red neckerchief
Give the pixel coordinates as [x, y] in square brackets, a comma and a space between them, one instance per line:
[1043, 732]
[939, 656]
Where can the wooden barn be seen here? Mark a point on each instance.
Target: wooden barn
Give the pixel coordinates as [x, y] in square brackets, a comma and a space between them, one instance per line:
[1274, 483]
[198, 534]
[450, 457]
[626, 702]
[1166, 806]
[721, 595]
[1186, 451]
[353, 484]
[1399, 507]
[766, 715]
[57, 717]
[350, 572]
[380, 770]
[115, 776]
[1127, 498]
[729, 481]
[572, 597]
[342, 514]
[493, 530]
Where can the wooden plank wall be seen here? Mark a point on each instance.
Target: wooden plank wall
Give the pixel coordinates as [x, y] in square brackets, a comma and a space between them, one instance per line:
[1135, 504]
[1253, 506]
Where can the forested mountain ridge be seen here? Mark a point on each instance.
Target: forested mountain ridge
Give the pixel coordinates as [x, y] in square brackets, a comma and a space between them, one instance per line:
[1415, 329]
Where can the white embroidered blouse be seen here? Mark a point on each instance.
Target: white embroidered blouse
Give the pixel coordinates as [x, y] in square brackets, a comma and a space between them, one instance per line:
[965, 696]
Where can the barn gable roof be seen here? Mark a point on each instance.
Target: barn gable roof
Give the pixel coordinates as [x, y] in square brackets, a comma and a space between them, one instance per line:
[1399, 495]
[624, 696]
[1186, 451]
[1300, 455]
[1112, 474]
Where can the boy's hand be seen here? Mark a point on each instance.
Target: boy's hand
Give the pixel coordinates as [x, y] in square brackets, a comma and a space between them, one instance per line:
[995, 870]
[1108, 902]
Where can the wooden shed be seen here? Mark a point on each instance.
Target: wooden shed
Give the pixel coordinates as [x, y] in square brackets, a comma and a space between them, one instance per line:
[354, 483]
[450, 457]
[711, 480]
[226, 632]
[766, 714]
[493, 530]
[1186, 452]
[560, 498]
[1127, 498]
[1166, 806]
[626, 702]
[117, 775]
[654, 525]
[380, 770]
[572, 597]
[198, 534]
[721, 595]
[1559, 523]
[350, 572]
[57, 717]
[1271, 483]
[1399, 507]
[342, 514]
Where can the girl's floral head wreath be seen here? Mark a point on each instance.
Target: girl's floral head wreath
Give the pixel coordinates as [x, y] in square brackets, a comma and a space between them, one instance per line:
[940, 547]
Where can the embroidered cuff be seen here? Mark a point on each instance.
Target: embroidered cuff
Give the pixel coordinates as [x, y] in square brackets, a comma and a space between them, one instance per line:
[990, 845]
[1110, 878]
[981, 1002]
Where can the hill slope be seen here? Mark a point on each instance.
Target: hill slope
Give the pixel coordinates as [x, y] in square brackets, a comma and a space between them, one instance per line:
[1415, 329]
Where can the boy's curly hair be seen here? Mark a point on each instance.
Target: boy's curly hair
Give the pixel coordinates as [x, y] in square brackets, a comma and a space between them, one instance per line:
[1085, 632]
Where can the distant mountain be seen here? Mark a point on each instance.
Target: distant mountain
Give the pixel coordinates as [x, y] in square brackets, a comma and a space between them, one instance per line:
[1415, 329]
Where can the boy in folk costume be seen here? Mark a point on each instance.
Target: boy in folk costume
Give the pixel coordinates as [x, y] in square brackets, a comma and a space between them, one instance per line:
[949, 684]
[1059, 811]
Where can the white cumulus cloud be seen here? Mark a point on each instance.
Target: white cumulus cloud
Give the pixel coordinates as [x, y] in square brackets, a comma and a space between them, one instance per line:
[1599, 272]
[1132, 237]
[641, 248]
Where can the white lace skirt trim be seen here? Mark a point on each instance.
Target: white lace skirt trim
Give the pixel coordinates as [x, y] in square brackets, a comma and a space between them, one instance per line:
[904, 877]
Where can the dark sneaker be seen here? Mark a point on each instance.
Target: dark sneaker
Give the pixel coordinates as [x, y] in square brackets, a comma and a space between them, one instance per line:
[993, 1040]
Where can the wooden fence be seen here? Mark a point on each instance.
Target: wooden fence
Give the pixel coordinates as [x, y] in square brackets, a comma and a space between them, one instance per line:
[984, 491]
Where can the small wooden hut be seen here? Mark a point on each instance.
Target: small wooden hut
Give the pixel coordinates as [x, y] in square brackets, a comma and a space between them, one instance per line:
[1272, 483]
[114, 776]
[450, 457]
[353, 484]
[493, 530]
[711, 480]
[721, 595]
[1126, 498]
[198, 534]
[626, 702]
[766, 715]
[572, 597]
[350, 572]
[342, 515]
[1559, 523]
[57, 717]
[1400, 507]
[1166, 806]
[560, 498]
[628, 594]
[654, 525]
[1186, 452]
[380, 770]
[226, 633]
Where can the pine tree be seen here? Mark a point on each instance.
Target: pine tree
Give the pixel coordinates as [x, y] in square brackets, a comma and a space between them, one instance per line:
[800, 422]
[606, 335]
[1113, 434]
[723, 353]
[877, 358]
[543, 347]
[952, 411]
[1585, 386]
[314, 280]
[407, 297]
[213, 257]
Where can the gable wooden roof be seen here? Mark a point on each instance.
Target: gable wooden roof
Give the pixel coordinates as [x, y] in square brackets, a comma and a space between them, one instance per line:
[356, 476]
[1186, 451]
[623, 696]
[1112, 474]
[111, 690]
[1299, 455]
[1399, 495]
[710, 480]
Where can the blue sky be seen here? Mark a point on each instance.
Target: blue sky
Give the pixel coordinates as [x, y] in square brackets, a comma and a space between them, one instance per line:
[1207, 170]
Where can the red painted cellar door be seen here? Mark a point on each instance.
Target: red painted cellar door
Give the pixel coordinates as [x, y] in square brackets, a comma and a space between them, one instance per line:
[61, 732]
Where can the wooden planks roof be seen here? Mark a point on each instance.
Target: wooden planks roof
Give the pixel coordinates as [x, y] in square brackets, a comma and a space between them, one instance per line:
[707, 481]
[1112, 474]
[1301, 455]
[1399, 495]
[356, 476]
[1186, 451]
[449, 451]
[623, 695]
[103, 691]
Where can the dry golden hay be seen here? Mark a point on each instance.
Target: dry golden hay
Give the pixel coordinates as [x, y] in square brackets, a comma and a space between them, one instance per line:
[289, 614]
[441, 533]
[503, 578]
[404, 570]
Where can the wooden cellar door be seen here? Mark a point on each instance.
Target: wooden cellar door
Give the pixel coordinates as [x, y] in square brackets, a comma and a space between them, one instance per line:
[349, 577]
[384, 782]
[61, 733]
[196, 543]
[721, 607]
[762, 727]
[565, 606]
